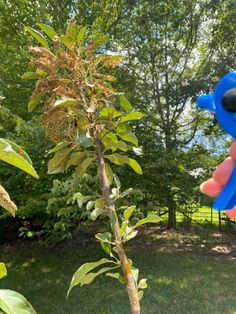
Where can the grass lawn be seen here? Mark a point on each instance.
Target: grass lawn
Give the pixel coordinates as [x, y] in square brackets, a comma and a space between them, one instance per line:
[185, 275]
[203, 217]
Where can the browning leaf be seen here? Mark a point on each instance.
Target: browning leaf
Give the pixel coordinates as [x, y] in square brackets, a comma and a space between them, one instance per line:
[6, 202]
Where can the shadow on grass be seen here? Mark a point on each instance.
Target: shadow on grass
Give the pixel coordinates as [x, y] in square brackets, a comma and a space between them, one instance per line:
[179, 282]
[183, 283]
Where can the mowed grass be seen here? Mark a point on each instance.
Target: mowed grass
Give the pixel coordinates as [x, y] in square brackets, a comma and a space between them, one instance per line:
[203, 216]
[179, 282]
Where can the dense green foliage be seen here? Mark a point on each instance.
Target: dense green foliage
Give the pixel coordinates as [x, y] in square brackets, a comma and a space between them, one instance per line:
[173, 52]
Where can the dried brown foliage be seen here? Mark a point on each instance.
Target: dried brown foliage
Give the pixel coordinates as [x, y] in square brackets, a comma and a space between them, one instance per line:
[77, 73]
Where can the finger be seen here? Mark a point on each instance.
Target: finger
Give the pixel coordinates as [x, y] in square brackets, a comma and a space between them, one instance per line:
[223, 172]
[231, 213]
[211, 188]
[233, 151]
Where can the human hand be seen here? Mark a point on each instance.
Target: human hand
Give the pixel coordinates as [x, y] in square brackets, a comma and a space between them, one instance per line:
[213, 187]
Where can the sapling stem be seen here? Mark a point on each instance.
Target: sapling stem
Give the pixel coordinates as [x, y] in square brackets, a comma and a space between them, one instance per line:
[126, 268]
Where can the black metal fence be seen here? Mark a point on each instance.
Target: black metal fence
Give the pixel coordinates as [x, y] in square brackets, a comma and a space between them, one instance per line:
[204, 216]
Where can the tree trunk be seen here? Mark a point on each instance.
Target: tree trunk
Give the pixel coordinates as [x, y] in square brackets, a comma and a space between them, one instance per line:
[130, 285]
[171, 224]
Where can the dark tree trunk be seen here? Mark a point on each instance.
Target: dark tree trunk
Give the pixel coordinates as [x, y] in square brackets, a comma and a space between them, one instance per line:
[171, 149]
[171, 224]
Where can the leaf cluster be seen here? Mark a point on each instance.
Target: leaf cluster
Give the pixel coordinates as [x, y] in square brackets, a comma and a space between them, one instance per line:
[80, 103]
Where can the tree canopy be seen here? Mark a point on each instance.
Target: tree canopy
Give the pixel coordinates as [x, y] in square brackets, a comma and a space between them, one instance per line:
[173, 51]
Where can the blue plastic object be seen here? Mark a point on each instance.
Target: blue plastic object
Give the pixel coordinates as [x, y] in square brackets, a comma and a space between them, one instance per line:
[223, 104]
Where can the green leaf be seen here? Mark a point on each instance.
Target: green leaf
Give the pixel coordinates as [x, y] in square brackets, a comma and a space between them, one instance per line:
[126, 192]
[125, 104]
[106, 248]
[75, 159]
[85, 140]
[109, 144]
[83, 123]
[105, 241]
[152, 218]
[115, 249]
[132, 116]
[12, 302]
[81, 169]
[129, 211]
[80, 274]
[58, 162]
[38, 36]
[109, 113]
[117, 159]
[109, 140]
[76, 197]
[117, 181]
[117, 276]
[81, 36]
[99, 203]
[135, 272]
[48, 30]
[58, 147]
[113, 275]
[65, 101]
[30, 76]
[3, 270]
[104, 237]
[18, 150]
[140, 295]
[16, 156]
[41, 72]
[96, 212]
[87, 279]
[68, 41]
[142, 284]
[82, 200]
[129, 234]
[129, 137]
[123, 227]
[34, 101]
[123, 128]
[135, 165]
[72, 29]
[90, 205]
[109, 174]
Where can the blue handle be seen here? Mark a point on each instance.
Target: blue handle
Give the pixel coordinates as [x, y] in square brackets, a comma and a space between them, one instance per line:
[226, 117]
[227, 198]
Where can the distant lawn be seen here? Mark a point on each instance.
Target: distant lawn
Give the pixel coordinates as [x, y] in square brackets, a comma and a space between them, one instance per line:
[179, 281]
[202, 216]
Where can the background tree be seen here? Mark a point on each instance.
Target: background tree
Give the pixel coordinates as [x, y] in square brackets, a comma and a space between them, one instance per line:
[173, 54]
